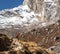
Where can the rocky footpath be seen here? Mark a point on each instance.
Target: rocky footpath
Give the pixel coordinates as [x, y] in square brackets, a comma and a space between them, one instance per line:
[10, 45]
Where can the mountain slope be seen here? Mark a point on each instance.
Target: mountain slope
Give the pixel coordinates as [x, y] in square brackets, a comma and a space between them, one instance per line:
[24, 19]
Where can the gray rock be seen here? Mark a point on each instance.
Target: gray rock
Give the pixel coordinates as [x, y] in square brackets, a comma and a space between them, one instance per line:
[47, 8]
[55, 48]
[35, 5]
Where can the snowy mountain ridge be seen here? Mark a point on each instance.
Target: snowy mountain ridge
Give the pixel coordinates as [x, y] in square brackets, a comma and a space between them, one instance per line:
[19, 15]
[22, 17]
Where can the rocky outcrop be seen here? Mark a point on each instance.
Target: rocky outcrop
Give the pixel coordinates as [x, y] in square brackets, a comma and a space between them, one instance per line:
[55, 48]
[45, 8]
[44, 36]
[5, 42]
[35, 5]
[58, 8]
[19, 47]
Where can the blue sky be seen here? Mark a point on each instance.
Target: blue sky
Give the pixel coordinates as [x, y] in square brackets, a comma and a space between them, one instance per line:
[7, 4]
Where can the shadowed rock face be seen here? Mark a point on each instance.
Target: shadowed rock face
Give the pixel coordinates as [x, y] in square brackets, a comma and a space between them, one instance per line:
[59, 2]
[59, 8]
[5, 42]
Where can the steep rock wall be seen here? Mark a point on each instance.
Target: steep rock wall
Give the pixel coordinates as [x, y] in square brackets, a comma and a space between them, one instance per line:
[35, 5]
[45, 7]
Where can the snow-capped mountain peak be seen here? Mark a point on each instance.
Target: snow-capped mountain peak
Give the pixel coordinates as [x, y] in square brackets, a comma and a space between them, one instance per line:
[21, 15]
[26, 18]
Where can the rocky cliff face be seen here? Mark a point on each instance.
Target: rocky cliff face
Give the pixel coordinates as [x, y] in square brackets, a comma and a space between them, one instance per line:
[45, 7]
[9, 45]
[59, 8]
[35, 5]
